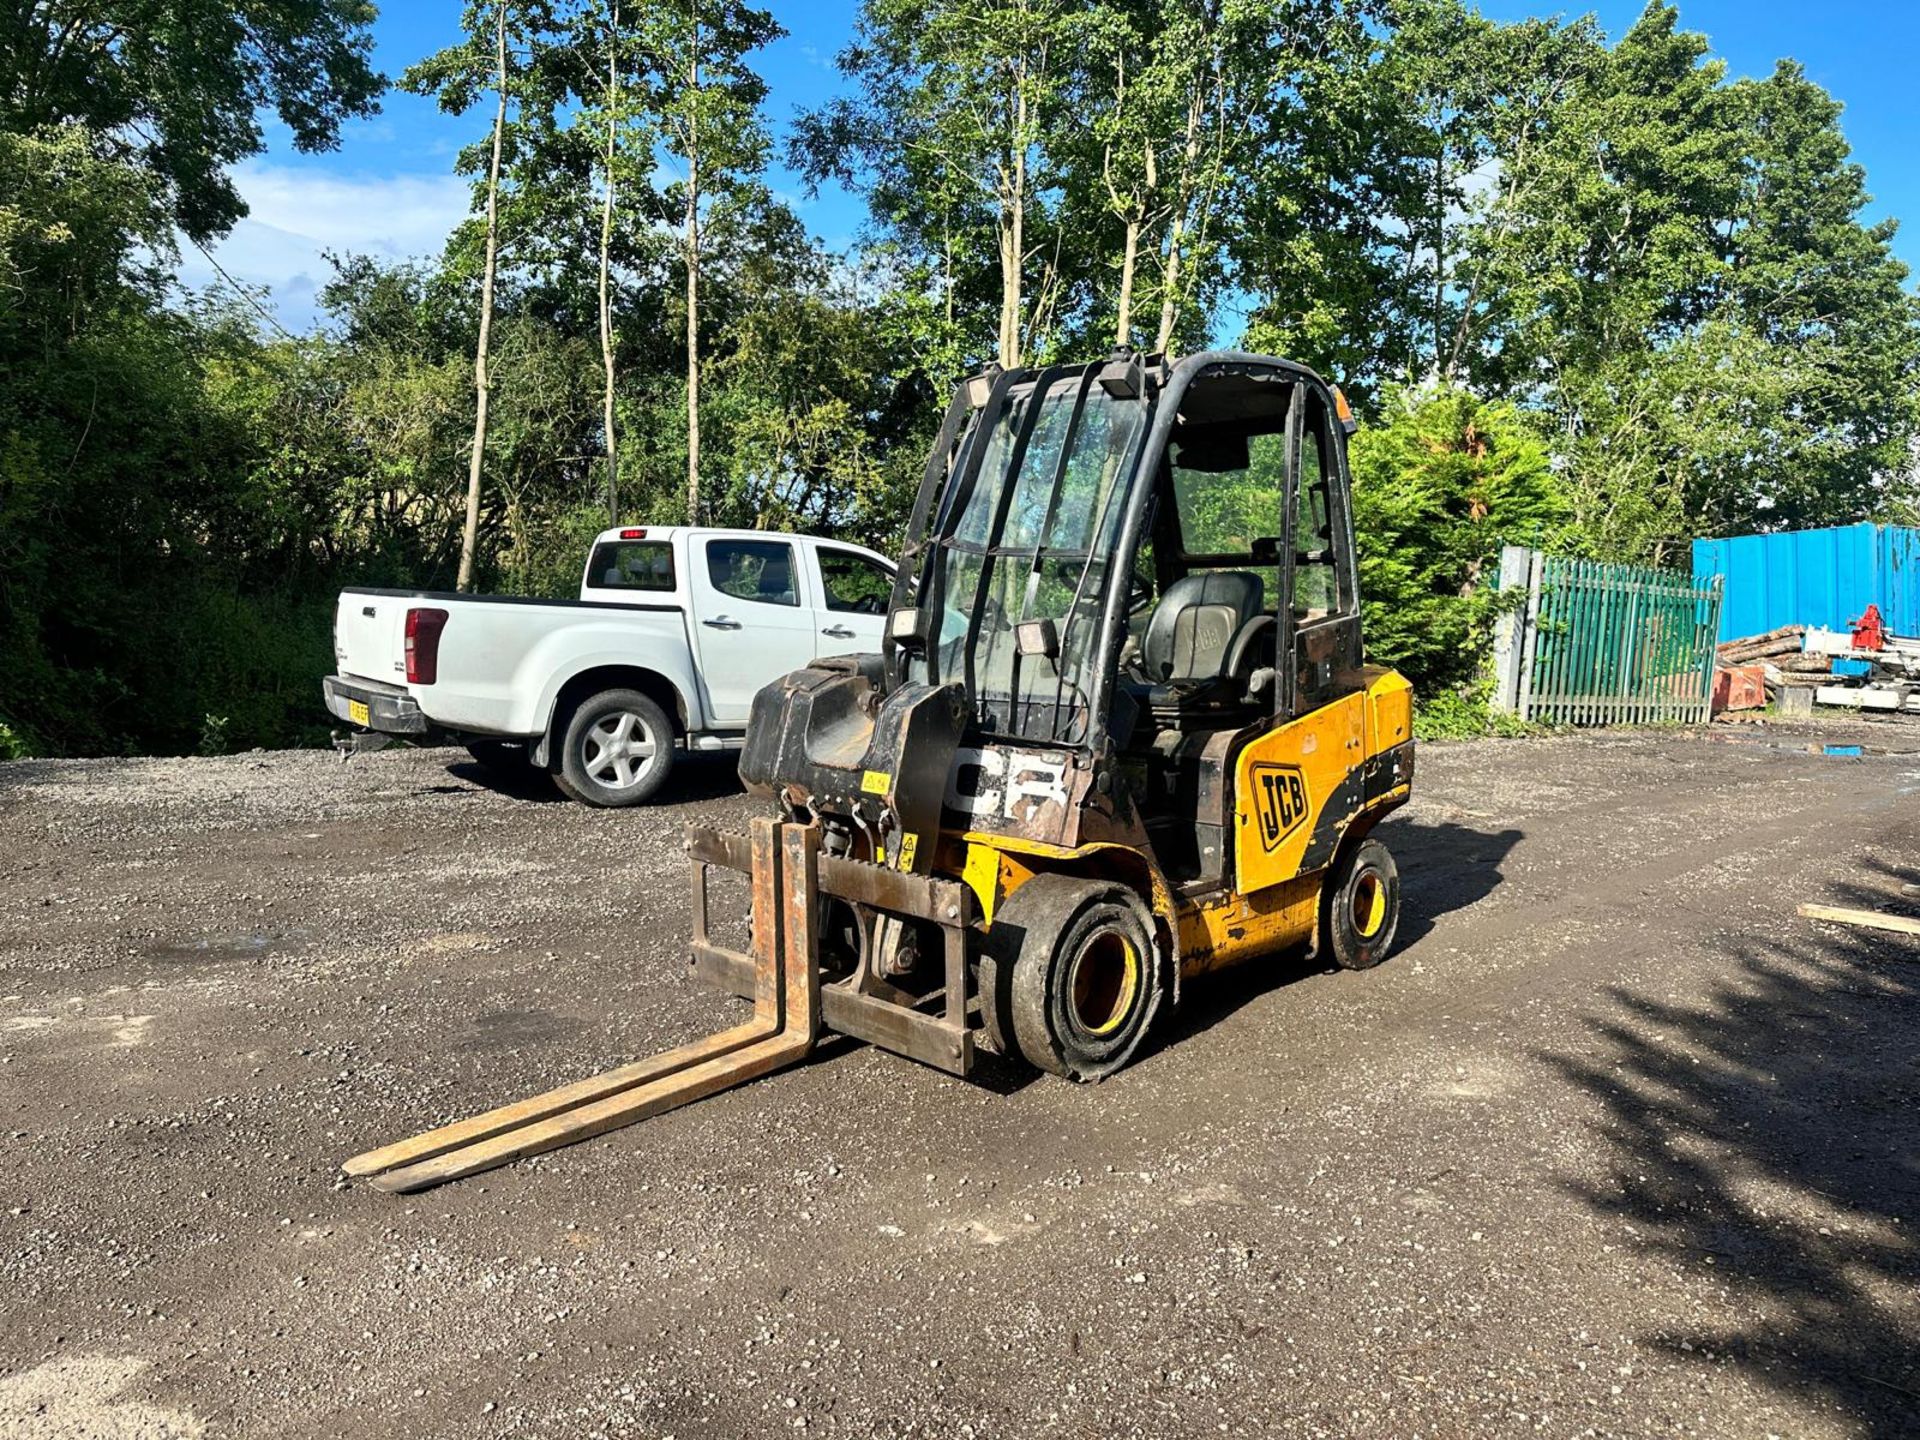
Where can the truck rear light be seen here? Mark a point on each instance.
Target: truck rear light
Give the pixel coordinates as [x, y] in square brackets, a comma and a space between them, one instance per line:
[423, 645]
[633, 534]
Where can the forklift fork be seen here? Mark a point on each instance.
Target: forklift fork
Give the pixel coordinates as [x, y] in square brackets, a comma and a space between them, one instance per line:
[784, 1027]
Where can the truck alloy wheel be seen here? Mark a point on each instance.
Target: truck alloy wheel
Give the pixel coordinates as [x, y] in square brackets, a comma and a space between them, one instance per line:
[618, 750]
[1076, 975]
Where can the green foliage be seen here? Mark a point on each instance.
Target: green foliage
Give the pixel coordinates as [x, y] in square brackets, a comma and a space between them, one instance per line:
[213, 734]
[1466, 715]
[1437, 489]
[177, 92]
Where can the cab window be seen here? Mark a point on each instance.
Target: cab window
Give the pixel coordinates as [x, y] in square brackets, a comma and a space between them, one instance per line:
[757, 570]
[631, 565]
[854, 582]
[1319, 560]
[1227, 488]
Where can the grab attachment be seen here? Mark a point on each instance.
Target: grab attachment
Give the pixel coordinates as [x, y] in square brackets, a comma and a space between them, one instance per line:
[784, 1027]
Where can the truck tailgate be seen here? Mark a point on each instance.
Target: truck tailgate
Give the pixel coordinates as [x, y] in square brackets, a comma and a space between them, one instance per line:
[369, 636]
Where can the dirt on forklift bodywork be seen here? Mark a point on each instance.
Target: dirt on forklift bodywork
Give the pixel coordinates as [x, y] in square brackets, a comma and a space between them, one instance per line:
[1121, 733]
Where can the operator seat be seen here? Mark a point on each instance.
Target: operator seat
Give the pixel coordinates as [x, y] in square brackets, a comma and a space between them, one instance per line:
[1203, 643]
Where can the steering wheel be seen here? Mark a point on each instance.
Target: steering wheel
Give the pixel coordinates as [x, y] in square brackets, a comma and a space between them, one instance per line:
[1252, 647]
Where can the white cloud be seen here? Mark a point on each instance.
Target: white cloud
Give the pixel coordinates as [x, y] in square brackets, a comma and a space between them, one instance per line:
[297, 214]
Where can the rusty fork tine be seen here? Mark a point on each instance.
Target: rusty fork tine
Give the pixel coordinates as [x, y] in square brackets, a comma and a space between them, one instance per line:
[785, 1025]
[556, 1102]
[668, 1093]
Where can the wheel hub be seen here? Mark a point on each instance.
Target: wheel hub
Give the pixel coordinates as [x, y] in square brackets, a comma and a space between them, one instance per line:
[618, 751]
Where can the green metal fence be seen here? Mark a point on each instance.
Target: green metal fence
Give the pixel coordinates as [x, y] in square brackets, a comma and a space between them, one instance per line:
[1609, 644]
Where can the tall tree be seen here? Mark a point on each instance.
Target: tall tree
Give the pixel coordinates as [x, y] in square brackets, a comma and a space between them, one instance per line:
[613, 137]
[1171, 88]
[501, 52]
[1212, 63]
[966, 103]
[615, 44]
[482, 378]
[1822, 289]
[708, 98]
[179, 90]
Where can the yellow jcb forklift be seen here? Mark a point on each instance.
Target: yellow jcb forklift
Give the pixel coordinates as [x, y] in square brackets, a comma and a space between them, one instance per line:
[1120, 734]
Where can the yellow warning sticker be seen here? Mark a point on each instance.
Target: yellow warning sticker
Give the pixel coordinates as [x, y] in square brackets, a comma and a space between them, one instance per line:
[909, 845]
[875, 782]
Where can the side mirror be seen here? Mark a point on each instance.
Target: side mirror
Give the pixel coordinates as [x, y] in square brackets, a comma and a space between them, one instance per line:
[1037, 639]
[907, 628]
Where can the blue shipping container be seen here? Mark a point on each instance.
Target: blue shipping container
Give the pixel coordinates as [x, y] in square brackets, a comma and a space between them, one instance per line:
[1814, 577]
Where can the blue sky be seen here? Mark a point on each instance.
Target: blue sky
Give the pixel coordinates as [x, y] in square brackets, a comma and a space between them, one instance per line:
[389, 189]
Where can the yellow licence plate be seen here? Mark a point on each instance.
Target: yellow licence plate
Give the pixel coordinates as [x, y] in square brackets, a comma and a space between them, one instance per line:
[357, 712]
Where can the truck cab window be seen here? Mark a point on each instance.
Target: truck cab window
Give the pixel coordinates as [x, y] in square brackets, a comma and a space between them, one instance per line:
[854, 582]
[631, 565]
[758, 570]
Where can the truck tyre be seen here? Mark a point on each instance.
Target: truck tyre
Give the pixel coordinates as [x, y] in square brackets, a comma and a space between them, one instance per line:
[618, 750]
[1074, 975]
[1360, 906]
[506, 757]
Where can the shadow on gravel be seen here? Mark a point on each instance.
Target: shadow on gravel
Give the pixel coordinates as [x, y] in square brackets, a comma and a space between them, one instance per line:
[695, 778]
[519, 782]
[1443, 867]
[1774, 1130]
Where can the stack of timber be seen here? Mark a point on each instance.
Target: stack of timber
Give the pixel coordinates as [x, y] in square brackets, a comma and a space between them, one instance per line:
[1751, 671]
[1787, 640]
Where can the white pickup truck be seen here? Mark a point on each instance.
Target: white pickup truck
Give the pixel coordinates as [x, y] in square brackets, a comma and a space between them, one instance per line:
[675, 630]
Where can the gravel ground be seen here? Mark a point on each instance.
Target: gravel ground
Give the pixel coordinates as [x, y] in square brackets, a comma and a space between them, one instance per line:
[1615, 1145]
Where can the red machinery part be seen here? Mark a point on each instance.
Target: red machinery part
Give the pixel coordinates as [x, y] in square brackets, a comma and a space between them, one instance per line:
[1869, 631]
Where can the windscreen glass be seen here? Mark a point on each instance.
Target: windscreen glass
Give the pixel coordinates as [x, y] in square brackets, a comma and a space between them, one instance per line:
[1030, 539]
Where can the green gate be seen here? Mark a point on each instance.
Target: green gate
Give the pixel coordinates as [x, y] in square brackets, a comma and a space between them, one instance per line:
[1609, 644]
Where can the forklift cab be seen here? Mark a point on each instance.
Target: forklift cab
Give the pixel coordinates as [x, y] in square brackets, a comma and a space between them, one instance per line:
[1242, 513]
[1130, 567]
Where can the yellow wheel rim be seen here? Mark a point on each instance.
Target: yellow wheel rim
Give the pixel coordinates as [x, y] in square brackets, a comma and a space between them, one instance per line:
[1106, 978]
[1369, 905]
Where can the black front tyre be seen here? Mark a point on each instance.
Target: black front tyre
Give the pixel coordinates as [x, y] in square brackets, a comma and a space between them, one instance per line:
[1360, 906]
[618, 750]
[1076, 977]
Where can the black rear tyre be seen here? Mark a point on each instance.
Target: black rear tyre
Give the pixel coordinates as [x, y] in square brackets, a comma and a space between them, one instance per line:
[1360, 906]
[1072, 978]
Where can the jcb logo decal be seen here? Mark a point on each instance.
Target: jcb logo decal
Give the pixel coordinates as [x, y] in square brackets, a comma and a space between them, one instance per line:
[1010, 784]
[1279, 801]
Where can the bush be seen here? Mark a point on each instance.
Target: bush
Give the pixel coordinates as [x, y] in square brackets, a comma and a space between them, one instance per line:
[1465, 714]
[1439, 487]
